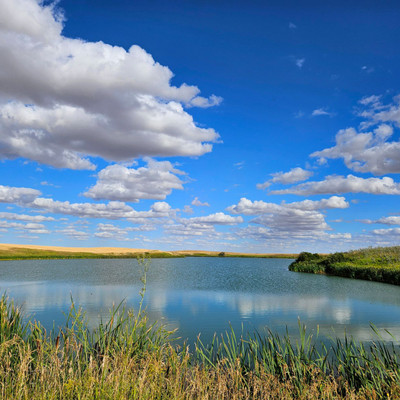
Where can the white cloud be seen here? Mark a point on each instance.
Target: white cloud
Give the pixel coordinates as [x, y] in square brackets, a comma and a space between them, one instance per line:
[9, 194]
[31, 228]
[74, 233]
[196, 202]
[367, 69]
[239, 165]
[112, 210]
[62, 100]
[203, 227]
[387, 232]
[321, 111]
[24, 217]
[110, 231]
[297, 220]
[188, 210]
[191, 229]
[370, 100]
[365, 152]
[248, 207]
[294, 175]
[218, 218]
[204, 102]
[337, 184]
[259, 207]
[117, 182]
[392, 220]
[333, 202]
[300, 62]
[292, 25]
[293, 222]
[369, 151]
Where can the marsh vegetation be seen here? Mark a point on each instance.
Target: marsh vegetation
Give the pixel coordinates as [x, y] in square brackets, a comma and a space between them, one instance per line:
[380, 264]
[127, 358]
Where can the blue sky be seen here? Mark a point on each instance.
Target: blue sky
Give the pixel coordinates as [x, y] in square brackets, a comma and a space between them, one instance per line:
[200, 125]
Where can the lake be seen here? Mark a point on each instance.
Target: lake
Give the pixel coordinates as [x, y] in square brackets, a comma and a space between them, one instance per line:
[205, 295]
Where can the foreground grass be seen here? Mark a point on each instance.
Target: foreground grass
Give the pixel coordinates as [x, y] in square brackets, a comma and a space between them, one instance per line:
[381, 264]
[126, 358]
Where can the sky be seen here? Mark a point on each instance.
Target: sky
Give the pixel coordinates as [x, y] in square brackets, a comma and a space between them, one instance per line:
[230, 126]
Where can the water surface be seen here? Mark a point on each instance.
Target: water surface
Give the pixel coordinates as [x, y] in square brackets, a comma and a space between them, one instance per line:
[205, 295]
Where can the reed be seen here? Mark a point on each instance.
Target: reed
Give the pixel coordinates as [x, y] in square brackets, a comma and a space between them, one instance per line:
[380, 264]
[128, 358]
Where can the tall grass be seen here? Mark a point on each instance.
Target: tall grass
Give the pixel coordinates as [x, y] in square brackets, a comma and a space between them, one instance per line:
[126, 357]
[381, 264]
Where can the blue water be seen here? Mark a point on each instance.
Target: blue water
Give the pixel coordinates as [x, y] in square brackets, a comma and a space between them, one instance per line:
[205, 295]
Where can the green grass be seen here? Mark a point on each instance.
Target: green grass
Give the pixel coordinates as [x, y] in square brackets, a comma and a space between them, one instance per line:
[18, 253]
[380, 264]
[30, 254]
[128, 358]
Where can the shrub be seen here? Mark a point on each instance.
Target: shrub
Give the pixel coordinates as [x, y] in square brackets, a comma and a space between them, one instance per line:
[305, 256]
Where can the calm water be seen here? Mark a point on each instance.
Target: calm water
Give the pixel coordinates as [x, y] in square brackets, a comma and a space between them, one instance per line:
[205, 295]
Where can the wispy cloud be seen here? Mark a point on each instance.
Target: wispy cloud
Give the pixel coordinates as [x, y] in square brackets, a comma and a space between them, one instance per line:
[300, 62]
[322, 111]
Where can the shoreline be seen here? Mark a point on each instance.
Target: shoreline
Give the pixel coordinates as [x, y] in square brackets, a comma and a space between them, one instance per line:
[21, 252]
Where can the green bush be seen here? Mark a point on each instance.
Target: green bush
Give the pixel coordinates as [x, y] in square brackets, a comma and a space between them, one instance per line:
[305, 256]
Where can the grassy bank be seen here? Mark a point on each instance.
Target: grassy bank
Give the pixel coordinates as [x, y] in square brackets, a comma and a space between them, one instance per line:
[33, 254]
[22, 253]
[126, 358]
[381, 264]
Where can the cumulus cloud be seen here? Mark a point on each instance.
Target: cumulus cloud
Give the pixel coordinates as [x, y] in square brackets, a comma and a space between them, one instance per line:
[24, 217]
[112, 210]
[218, 218]
[63, 100]
[72, 232]
[196, 202]
[117, 182]
[369, 151]
[387, 232]
[392, 220]
[336, 184]
[365, 151]
[293, 222]
[30, 228]
[258, 207]
[294, 175]
[201, 226]
[287, 238]
[19, 195]
[299, 220]
[110, 231]
[190, 229]
[248, 207]
[323, 204]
